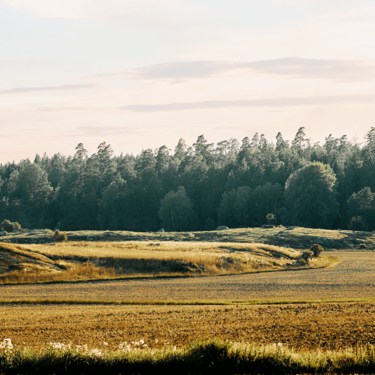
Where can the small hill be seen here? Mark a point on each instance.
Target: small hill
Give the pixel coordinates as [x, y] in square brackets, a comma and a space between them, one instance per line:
[290, 237]
[18, 258]
[87, 260]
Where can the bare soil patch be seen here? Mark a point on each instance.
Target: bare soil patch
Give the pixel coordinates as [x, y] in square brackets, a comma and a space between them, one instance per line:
[303, 327]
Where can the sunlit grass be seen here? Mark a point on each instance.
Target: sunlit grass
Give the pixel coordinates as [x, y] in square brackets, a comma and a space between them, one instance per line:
[84, 260]
[201, 357]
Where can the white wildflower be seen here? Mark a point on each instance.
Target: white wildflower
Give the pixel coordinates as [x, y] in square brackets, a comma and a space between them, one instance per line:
[6, 344]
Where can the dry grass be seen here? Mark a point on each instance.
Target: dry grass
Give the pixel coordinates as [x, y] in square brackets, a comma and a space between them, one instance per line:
[103, 260]
[331, 326]
[159, 250]
[37, 274]
[294, 237]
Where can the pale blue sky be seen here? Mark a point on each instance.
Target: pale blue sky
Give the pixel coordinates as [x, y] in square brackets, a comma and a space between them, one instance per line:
[144, 73]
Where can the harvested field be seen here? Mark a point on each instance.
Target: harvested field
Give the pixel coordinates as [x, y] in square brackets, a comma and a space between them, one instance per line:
[353, 277]
[303, 327]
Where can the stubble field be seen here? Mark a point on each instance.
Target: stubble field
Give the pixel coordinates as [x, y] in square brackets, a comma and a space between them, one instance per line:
[333, 326]
[300, 326]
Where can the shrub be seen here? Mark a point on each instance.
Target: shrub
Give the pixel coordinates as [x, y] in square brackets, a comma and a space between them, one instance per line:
[60, 236]
[362, 246]
[16, 226]
[306, 255]
[9, 226]
[316, 249]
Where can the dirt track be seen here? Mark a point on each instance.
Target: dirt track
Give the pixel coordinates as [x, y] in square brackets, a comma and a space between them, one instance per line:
[353, 277]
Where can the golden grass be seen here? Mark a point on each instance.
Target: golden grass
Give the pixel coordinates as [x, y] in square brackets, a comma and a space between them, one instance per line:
[109, 260]
[37, 274]
[158, 250]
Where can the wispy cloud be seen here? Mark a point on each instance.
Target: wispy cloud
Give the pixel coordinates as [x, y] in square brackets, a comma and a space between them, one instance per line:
[272, 102]
[289, 67]
[100, 131]
[336, 70]
[22, 90]
[76, 108]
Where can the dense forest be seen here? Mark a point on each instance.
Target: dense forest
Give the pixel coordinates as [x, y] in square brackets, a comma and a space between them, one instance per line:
[198, 187]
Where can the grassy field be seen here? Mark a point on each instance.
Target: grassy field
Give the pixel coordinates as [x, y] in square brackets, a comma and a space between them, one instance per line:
[293, 237]
[148, 308]
[85, 260]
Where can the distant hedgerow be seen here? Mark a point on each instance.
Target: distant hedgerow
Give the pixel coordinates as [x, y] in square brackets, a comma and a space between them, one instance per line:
[9, 226]
[60, 236]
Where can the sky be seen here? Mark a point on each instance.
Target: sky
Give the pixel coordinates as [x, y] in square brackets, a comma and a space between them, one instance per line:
[141, 74]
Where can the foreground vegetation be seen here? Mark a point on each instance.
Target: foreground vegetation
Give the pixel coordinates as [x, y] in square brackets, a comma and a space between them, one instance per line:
[205, 357]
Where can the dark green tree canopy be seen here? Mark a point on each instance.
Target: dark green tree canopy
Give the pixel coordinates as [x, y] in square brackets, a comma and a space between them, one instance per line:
[310, 196]
[176, 212]
[299, 182]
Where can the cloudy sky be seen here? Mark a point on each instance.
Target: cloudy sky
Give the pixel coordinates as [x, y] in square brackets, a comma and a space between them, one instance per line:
[143, 73]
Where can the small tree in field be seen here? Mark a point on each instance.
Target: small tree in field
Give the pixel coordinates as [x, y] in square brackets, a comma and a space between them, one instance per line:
[270, 218]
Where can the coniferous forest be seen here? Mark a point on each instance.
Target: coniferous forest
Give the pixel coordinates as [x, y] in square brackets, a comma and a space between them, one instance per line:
[197, 187]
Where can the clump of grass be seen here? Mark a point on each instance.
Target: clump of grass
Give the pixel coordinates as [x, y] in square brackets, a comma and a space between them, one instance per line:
[213, 356]
[60, 236]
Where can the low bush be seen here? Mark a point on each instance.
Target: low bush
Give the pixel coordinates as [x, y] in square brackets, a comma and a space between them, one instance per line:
[306, 255]
[9, 226]
[316, 249]
[60, 236]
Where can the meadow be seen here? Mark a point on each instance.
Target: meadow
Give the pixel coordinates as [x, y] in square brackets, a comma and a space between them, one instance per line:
[93, 260]
[247, 312]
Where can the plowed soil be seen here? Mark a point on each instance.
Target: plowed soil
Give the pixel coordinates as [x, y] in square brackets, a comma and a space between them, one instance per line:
[329, 326]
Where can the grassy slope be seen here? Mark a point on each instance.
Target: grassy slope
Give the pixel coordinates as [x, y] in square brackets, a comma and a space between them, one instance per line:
[293, 237]
[87, 260]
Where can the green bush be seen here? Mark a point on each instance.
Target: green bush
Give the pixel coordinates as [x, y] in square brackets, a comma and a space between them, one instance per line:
[316, 249]
[60, 236]
[9, 226]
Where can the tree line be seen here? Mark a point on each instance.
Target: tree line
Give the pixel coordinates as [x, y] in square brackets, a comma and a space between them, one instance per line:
[197, 187]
